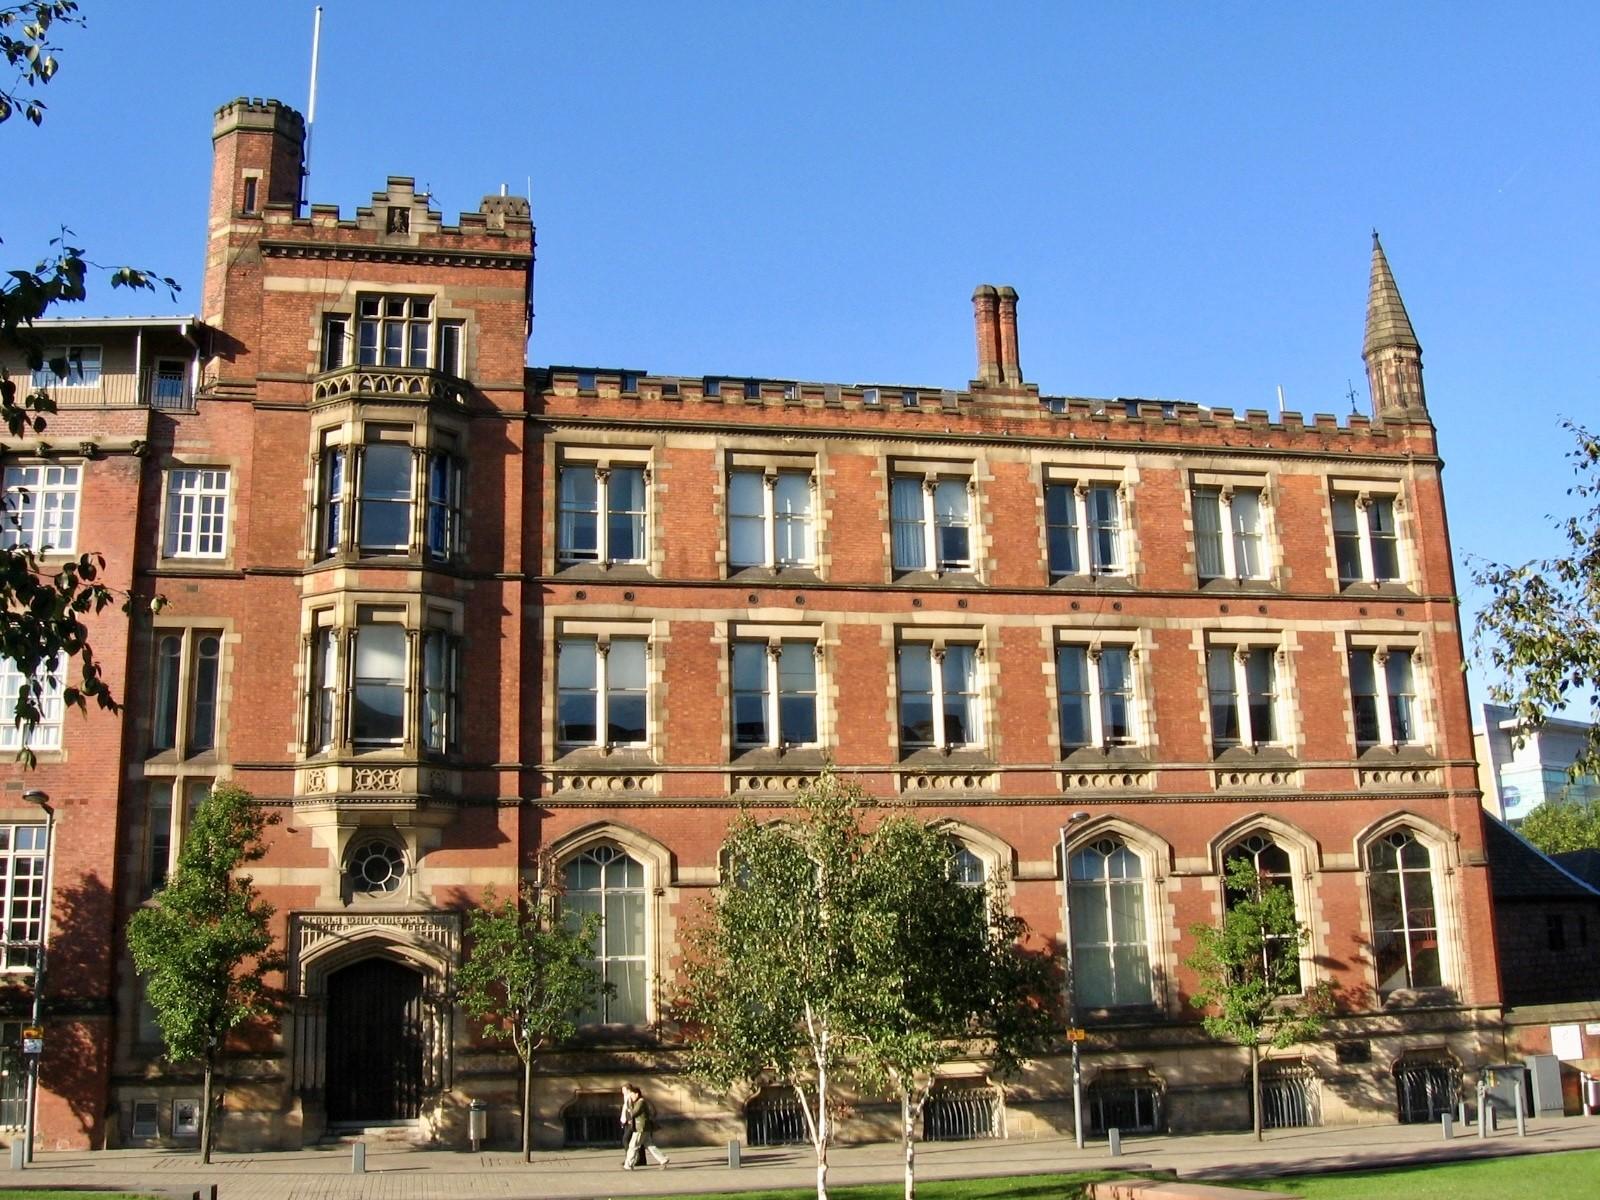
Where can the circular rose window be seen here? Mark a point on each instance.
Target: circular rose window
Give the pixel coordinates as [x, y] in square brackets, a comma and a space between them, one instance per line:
[377, 868]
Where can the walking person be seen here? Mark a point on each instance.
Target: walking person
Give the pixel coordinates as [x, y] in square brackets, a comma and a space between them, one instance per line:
[638, 1126]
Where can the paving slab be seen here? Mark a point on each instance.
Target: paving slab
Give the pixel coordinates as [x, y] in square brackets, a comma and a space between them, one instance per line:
[398, 1172]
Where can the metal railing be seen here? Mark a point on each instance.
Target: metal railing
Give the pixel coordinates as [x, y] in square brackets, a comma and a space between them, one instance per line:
[151, 388]
[1425, 1091]
[960, 1115]
[775, 1120]
[1291, 1099]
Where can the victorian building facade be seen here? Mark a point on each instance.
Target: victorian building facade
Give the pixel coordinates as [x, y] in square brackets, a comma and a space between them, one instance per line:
[466, 623]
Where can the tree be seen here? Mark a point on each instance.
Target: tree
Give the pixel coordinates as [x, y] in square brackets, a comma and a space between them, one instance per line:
[781, 963]
[204, 947]
[1557, 826]
[835, 954]
[952, 979]
[42, 610]
[1541, 626]
[527, 974]
[1248, 969]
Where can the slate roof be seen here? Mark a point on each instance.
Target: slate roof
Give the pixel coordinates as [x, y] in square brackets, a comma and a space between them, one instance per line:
[1520, 871]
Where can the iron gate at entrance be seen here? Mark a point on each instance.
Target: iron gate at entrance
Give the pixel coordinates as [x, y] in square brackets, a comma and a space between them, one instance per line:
[375, 1043]
[1426, 1090]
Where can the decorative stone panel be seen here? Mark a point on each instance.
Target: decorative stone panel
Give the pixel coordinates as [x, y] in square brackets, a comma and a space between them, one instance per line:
[769, 783]
[1101, 780]
[947, 781]
[1256, 779]
[1399, 777]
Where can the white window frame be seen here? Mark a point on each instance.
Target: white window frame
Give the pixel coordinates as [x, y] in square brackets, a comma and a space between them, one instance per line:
[1239, 653]
[602, 468]
[31, 492]
[1094, 650]
[198, 497]
[84, 367]
[1363, 494]
[773, 641]
[770, 477]
[929, 477]
[937, 645]
[600, 640]
[1226, 488]
[1082, 485]
[1381, 648]
[47, 734]
[23, 907]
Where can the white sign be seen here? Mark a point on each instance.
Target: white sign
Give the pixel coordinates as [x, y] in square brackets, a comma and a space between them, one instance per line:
[1566, 1042]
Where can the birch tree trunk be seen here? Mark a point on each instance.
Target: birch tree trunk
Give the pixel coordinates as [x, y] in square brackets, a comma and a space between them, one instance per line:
[527, 1106]
[1255, 1087]
[910, 1143]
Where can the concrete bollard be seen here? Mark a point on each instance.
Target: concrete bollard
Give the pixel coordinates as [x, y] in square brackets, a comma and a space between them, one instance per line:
[1448, 1124]
[733, 1155]
[19, 1154]
[1114, 1141]
[358, 1158]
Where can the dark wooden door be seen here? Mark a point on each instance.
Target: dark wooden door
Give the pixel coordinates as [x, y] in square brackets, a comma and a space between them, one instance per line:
[375, 1043]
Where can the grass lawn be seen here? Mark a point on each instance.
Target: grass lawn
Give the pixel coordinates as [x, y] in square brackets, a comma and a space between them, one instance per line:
[1027, 1187]
[1547, 1176]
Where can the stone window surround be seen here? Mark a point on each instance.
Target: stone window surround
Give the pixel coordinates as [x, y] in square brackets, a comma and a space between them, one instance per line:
[775, 633]
[1382, 641]
[603, 630]
[1080, 477]
[600, 457]
[1283, 711]
[1141, 714]
[1361, 489]
[1263, 483]
[931, 472]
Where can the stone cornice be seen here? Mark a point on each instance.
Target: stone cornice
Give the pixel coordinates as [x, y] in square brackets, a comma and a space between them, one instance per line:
[448, 256]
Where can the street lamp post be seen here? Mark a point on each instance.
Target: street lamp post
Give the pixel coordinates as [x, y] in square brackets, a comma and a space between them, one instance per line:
[42, 799]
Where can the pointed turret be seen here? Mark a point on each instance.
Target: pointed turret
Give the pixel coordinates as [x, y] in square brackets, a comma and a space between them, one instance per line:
[1391, 350]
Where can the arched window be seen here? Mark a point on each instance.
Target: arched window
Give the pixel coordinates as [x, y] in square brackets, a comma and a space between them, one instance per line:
[966, 868]
[1105, 908]
[605, 881]
[1273, 868]
[1405, 923]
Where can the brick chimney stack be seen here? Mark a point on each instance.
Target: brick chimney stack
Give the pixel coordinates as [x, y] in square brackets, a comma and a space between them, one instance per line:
[1010, 361]
[986, 318]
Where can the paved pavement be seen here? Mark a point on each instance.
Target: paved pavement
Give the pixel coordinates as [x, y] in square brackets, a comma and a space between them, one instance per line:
[396, 1172]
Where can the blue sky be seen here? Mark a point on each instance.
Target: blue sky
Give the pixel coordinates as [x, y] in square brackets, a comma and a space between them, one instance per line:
[1181, 193]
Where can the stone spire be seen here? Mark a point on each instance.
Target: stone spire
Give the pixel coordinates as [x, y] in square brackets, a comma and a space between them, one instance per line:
[1391, 350]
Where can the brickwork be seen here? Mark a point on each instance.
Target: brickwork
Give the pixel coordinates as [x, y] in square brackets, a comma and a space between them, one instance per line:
[301, 409]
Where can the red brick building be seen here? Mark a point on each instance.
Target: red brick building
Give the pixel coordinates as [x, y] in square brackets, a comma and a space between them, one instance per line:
[459, 618]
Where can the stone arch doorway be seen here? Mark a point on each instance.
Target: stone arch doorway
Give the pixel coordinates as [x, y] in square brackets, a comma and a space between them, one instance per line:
[377, 1043]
